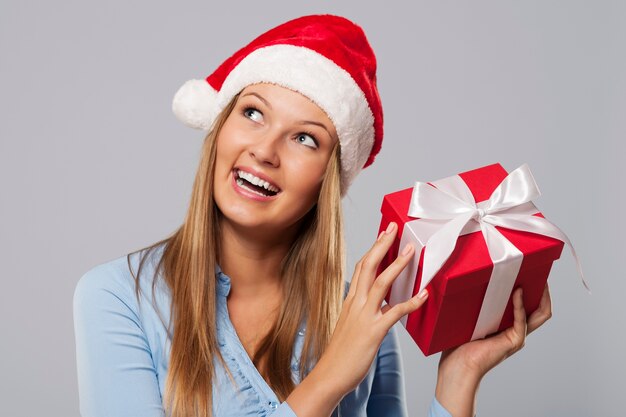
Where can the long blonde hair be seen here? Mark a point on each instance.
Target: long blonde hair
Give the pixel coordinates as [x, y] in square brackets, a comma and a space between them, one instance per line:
[312, 282]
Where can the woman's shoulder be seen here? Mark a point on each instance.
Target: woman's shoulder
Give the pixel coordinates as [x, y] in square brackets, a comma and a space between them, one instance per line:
[115, 280]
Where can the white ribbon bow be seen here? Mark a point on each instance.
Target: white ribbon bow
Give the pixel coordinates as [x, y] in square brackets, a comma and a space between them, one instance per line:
[508, 206]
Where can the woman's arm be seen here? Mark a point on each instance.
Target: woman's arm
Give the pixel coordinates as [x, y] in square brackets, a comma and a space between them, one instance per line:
[359, 332]
[387, 397]
[116, 375]
[461, 369]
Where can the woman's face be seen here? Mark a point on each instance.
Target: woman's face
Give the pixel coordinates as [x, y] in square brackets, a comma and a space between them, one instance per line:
[272, 153]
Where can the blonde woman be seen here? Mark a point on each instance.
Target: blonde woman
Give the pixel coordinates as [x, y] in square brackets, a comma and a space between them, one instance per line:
[243, 310]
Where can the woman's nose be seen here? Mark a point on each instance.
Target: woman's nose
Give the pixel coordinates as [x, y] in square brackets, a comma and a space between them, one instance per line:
[265, 149]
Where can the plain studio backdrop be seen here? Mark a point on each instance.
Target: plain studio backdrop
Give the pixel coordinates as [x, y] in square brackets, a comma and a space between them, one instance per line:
[93, 163]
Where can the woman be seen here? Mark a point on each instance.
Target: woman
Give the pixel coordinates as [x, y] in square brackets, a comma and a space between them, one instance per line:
[242, 311]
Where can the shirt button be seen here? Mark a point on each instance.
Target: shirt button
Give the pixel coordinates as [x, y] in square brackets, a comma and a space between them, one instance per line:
[273, 405]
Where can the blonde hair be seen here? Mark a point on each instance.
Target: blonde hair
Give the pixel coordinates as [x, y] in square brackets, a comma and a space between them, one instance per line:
[312, 280]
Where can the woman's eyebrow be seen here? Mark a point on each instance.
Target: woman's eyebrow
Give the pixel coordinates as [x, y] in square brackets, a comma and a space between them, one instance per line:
[312, 122]
[259, 97]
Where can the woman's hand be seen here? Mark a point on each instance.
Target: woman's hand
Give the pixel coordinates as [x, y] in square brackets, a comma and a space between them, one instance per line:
[360, 330]
[363, 322]
[461, 369]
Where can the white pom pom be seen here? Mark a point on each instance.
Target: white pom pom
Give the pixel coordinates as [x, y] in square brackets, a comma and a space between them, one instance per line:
[195, 104]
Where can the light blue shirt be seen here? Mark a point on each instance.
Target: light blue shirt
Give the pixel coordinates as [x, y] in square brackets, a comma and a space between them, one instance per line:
[123, 349]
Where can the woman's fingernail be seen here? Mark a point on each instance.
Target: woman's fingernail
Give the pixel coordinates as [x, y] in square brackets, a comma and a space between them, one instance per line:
[407, 249]
[423, 293]
[380, 235]
[390, 227]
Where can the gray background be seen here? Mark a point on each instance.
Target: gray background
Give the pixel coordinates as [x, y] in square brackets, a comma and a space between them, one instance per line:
[94, 165]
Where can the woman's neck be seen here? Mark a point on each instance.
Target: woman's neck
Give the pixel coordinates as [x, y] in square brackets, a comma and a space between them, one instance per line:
[252, 260]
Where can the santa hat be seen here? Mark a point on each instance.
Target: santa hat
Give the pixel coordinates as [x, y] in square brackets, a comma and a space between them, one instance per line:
[326, 58]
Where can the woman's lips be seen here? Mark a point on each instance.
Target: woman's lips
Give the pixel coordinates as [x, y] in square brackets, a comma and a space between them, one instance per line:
[248, 193]
[257, 178]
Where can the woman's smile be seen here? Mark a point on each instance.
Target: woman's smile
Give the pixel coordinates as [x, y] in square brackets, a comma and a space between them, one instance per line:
[252, 184]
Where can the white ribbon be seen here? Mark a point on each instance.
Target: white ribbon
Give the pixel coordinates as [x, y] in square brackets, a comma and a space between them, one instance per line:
[447, 210]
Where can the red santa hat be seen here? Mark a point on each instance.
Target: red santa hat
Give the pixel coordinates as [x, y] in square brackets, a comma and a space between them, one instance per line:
[326, 58]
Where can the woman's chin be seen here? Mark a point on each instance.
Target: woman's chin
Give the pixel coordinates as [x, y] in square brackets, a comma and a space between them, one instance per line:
[259, 227]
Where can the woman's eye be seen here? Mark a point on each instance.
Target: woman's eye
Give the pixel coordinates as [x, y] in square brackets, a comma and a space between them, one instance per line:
[307, 140]
[253, 114]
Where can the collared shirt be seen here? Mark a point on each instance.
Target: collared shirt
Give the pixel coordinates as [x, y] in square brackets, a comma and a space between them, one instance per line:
[123, 350]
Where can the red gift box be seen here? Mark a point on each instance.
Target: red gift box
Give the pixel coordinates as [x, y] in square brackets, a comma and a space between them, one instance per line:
[458, 289]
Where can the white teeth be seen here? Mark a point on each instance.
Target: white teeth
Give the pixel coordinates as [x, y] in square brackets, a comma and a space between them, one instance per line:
[241, 183]
[256, 181]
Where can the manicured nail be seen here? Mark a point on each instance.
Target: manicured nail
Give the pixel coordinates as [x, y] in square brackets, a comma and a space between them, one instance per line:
[380, 235]
[423, 293]
[407, 249]
[390, 227]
